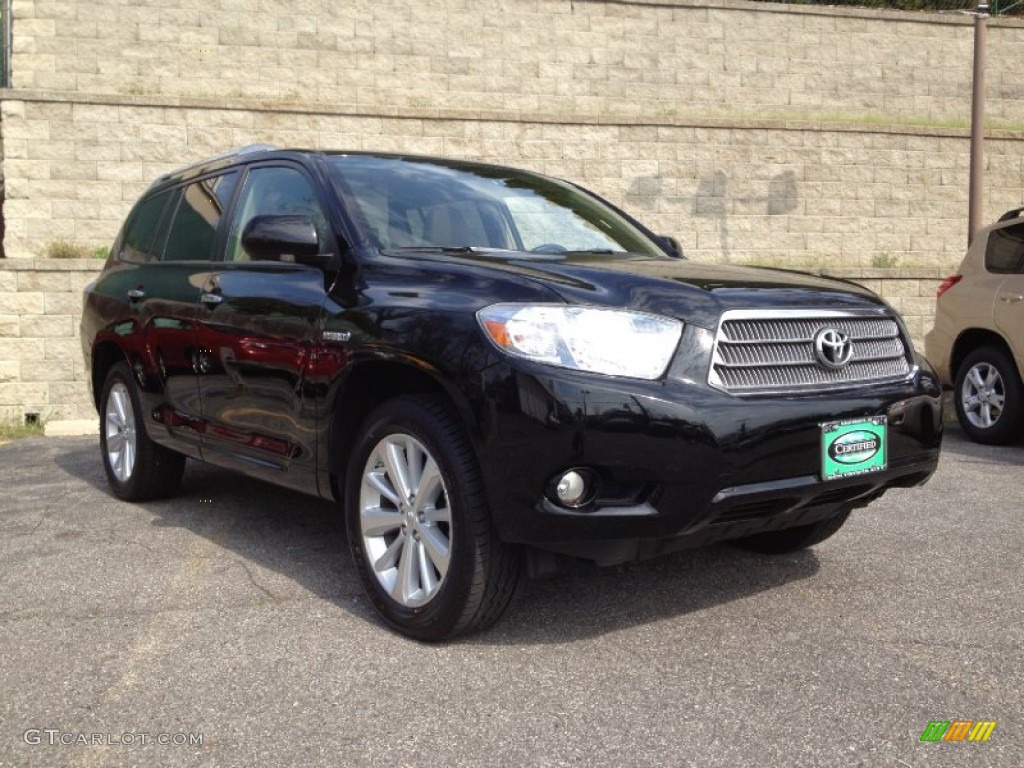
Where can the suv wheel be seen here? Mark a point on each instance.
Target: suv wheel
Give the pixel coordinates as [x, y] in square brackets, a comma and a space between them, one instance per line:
[792, 539]
[419, 526]
[137, 468]
[988, 397]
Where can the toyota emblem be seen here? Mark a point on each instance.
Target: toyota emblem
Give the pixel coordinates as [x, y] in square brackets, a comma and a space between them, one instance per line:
[833, 348]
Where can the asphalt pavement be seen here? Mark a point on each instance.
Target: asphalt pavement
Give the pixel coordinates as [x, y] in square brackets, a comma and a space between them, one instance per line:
[226, 627]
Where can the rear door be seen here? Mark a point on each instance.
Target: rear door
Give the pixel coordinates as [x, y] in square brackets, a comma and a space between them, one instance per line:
[1005, 255]
[167, 253]
[257, 330]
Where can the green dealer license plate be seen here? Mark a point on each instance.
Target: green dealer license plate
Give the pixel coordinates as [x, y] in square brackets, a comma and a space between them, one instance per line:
[853, 447]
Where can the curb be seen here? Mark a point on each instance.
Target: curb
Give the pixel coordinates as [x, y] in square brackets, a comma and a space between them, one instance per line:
[72, 428]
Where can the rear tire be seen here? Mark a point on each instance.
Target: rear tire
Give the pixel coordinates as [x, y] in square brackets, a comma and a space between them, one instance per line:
[792, 539]
[989, 397]
[419, 526]
[137, 468]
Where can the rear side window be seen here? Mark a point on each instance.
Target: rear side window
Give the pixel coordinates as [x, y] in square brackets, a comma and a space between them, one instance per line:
[193, 232]
[140, 236]
[1004, 252]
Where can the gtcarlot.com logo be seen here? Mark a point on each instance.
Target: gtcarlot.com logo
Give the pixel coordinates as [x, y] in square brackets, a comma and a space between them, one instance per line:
[958, 730]
[56, 737]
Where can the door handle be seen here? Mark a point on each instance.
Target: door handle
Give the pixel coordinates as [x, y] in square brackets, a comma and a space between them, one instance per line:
[136, 293]
[211, 298]
[1011, 299]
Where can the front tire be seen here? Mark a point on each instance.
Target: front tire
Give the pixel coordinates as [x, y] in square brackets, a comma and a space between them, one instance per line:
[137, 468]
[792, 539]
[988, 397]
[419, 526]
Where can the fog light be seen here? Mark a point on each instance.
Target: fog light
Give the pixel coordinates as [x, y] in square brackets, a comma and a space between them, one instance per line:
[572, 489]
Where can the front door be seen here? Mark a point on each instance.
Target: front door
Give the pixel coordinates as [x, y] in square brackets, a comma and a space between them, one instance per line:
[257, 330]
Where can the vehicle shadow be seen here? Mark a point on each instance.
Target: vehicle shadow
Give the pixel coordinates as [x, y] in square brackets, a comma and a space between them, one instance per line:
[303, 539]
[80, 458]
[955, 441]
[594, 601]
[298, 536]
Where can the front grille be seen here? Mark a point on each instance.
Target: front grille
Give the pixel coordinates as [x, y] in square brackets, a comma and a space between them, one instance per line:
[759, 351]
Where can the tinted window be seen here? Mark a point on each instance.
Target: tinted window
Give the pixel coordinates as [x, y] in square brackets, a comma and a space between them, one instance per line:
[403, 202]
[273, 190]
[1004, 251]
[140, 235]
[452, 224]
[193, 232]
[540, 222]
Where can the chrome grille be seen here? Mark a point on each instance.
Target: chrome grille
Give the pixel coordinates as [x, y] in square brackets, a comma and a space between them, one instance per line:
[773, 351]
[801, 329]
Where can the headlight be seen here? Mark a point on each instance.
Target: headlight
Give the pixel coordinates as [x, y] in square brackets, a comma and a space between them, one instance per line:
[615, 342]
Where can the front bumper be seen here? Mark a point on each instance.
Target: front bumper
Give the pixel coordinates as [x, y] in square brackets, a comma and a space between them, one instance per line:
[680, 463]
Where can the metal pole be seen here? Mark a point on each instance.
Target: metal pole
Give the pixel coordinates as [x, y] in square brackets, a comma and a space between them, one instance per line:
[6, 42]
[976, 192]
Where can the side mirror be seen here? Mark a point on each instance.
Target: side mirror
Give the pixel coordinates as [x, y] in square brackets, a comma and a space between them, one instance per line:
[671, 246]
[283, 237]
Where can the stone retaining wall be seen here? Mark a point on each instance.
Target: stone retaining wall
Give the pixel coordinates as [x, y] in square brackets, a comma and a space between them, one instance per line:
[805, 137]
[793, 194]
[641, 58]
[42, 370]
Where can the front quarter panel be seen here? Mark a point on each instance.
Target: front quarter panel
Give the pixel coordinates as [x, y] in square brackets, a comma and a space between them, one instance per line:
[417, 324]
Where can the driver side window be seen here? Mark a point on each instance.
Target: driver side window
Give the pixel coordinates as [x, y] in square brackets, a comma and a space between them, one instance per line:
[274, 190]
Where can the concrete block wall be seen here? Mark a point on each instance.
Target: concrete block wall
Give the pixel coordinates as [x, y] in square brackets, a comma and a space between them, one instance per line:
[811, 138]
[567, 57]
[798, 195]
[42, 370]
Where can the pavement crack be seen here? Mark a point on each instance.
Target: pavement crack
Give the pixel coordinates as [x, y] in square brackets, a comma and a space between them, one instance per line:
[255, 582]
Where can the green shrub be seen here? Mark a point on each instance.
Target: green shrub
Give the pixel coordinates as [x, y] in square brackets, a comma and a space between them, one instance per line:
[67, 249]
[1008, 7]
[885, 260]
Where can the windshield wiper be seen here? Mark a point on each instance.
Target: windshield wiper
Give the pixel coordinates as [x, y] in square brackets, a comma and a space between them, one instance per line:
[454, 249]
[436, 248]
[486, 249]
[600, 252]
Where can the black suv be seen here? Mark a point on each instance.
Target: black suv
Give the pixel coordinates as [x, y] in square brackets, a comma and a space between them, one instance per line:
[489, 370]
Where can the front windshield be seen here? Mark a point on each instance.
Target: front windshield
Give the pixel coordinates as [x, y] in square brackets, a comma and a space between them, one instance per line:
[419, 203]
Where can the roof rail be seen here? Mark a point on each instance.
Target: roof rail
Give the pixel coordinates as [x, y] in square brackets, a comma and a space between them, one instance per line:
[246, 150]
[1013, 213]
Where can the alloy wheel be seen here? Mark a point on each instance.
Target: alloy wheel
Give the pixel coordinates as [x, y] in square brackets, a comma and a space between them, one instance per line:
[405, 520]
[119, 427]
[983, 395]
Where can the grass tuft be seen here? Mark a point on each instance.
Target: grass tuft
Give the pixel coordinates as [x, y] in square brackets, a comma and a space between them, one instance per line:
[15, 431]
[69, 249]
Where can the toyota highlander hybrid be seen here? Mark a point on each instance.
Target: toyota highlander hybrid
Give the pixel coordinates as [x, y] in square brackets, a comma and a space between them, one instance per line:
[490, 371]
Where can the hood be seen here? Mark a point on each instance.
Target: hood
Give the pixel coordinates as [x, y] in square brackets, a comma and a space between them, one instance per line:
[690, 291]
